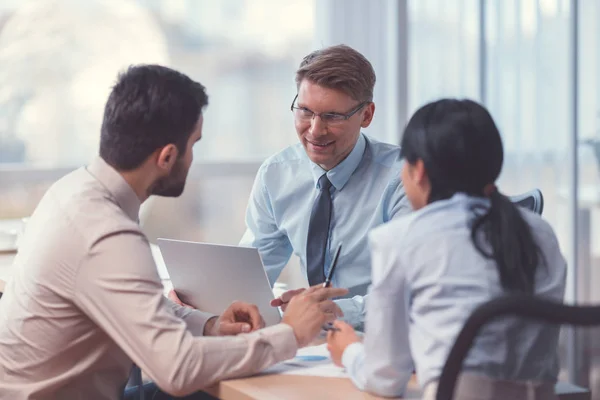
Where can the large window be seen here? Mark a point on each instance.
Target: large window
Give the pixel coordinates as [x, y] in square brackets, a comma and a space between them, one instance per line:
[59, 59]
[513, 55]
[443, 53]
[517, 57]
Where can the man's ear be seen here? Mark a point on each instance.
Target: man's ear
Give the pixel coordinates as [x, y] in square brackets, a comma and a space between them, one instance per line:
[167, 157]
[368, 115]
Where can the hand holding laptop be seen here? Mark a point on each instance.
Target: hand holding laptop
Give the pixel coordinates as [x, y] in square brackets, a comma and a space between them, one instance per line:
[175, 299]
[211, 289]
[306, 313]
[238, 318]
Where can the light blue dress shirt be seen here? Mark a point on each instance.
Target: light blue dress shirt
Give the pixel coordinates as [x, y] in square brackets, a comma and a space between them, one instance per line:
[366, 191]
[427, 279]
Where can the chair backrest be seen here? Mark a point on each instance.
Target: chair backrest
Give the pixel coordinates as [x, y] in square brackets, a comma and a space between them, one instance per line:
[520, 305]
[532, 200]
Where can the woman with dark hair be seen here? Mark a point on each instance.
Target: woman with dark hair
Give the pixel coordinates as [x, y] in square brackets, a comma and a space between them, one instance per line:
[464, 244]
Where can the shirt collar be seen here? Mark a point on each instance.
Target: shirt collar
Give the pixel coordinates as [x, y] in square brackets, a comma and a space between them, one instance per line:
[341, 173]
[117, 186]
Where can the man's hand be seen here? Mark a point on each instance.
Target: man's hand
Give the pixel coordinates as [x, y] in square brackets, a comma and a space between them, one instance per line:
[238, 318]
[338, 341]
[283, 300]
[175, 299]
[308, 311]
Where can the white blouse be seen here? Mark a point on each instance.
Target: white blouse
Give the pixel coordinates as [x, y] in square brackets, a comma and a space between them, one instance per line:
[427, 279]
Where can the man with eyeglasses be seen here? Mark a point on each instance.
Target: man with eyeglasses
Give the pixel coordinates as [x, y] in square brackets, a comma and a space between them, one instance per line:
[331, 188]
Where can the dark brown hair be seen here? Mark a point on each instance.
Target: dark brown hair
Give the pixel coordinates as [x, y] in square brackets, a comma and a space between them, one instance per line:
[461, 147]
[149, 107]
[339, 67]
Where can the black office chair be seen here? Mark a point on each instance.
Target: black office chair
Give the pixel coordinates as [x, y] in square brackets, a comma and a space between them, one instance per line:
[532, 200]
[518, 305]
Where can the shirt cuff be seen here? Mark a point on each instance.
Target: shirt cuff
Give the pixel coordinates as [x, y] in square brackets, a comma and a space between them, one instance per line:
[196, 320]
[352, 354]
[353, 310]
[353, 360]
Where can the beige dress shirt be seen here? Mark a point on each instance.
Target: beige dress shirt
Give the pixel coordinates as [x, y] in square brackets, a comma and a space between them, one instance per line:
[86, 301]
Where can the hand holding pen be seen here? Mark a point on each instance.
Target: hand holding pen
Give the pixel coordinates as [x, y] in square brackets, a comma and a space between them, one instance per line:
[283, 300]
[327, 283]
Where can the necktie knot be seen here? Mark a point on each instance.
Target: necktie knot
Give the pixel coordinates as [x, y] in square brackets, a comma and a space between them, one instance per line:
[324, 183]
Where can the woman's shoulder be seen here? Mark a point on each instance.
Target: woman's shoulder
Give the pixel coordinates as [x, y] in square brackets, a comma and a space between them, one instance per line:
[433, 220]
[541, 229]
[394, 231]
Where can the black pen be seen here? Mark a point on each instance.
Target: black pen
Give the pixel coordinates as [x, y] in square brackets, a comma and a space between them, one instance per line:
[327, 282]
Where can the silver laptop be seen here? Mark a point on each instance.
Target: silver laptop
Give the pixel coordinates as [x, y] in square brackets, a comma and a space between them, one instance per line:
[210, 277]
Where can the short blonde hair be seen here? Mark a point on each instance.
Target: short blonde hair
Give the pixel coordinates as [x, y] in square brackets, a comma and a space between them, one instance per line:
[339, 67]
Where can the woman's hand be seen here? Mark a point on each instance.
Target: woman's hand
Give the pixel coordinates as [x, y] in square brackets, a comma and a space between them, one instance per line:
[338, 339]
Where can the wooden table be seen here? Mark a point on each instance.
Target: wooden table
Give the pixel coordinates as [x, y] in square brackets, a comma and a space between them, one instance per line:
[296, 387]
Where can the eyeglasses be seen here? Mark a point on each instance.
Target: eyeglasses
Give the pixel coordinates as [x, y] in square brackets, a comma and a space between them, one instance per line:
[305, 115]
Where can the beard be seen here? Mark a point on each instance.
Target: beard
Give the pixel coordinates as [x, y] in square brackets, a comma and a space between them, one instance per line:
[174, 184]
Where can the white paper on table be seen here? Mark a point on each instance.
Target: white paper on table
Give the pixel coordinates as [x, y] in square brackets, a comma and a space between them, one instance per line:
[298, 366]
